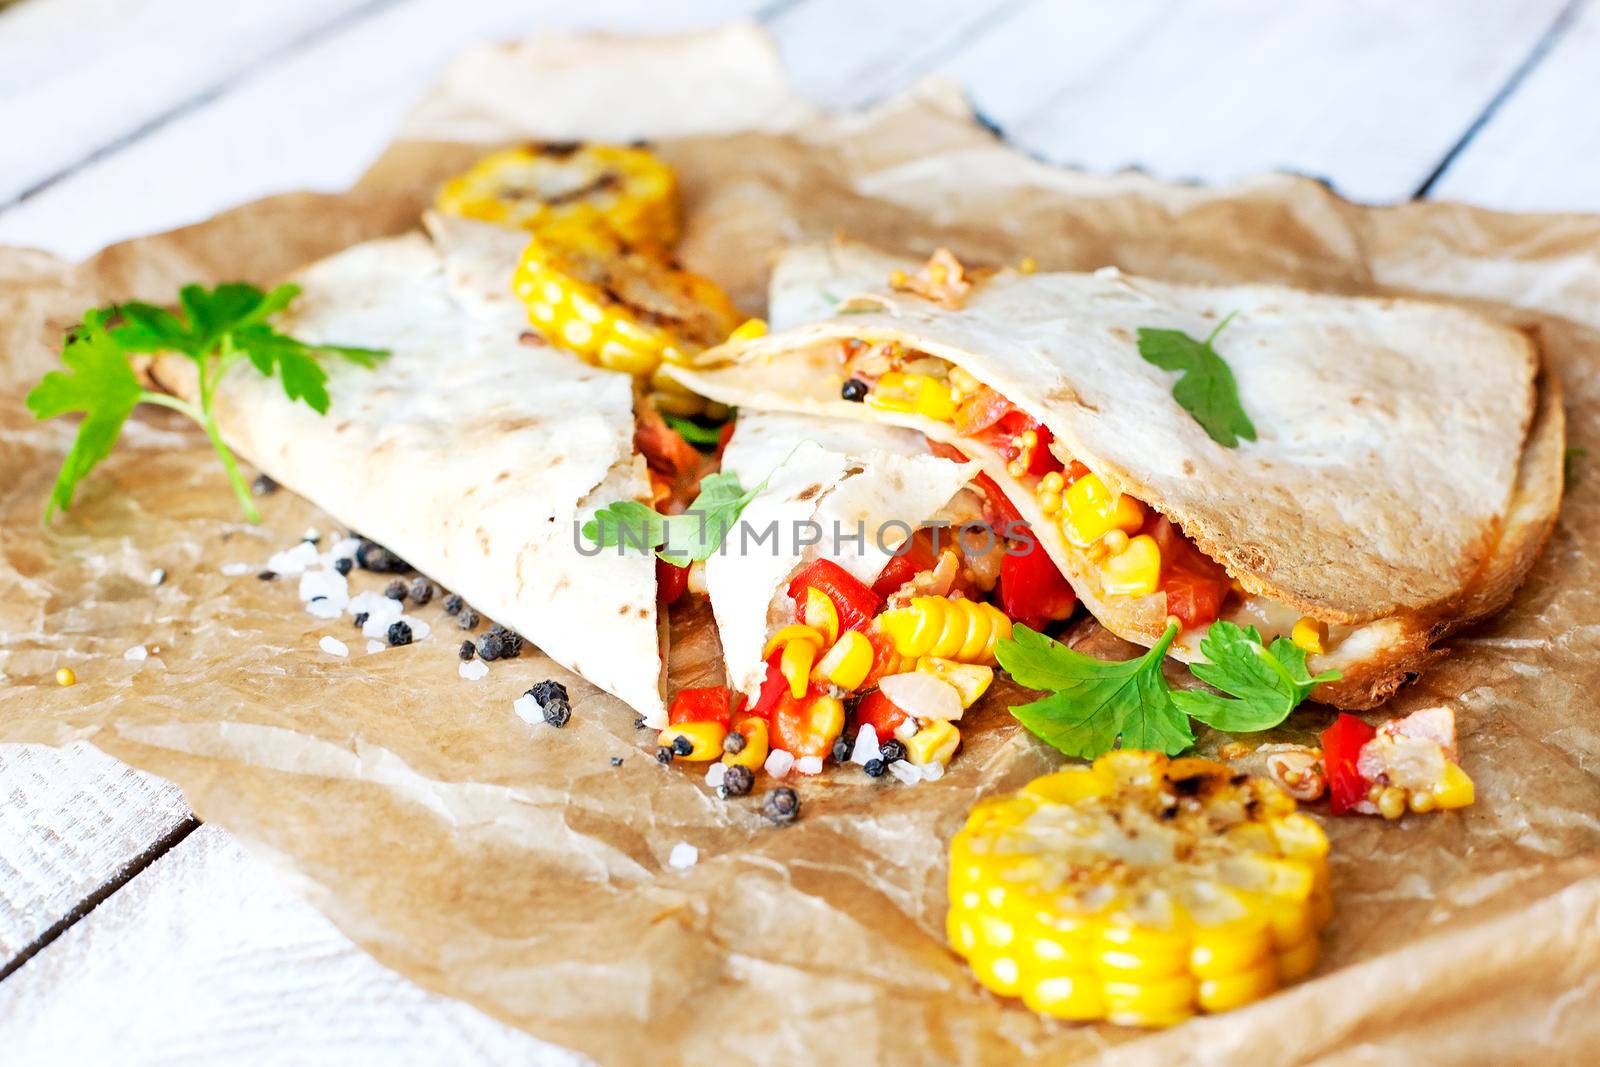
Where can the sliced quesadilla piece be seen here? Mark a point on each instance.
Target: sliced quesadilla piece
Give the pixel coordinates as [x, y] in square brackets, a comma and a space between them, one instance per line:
[1403, 474]
[471, 452]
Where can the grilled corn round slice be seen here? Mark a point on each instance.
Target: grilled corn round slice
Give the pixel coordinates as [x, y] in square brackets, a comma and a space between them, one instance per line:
[629, 190]
[1139, 890]
[590, 291]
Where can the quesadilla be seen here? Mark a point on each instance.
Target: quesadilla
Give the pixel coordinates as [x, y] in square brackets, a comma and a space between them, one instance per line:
[474, 452]
[1403, 475]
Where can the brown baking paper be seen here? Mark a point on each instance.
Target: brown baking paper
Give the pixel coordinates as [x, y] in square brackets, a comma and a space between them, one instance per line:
[514, 867]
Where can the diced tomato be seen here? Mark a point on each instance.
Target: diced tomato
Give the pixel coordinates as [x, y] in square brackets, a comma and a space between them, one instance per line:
[1074, 471]
[663, 447]
[855, 603]
[1195, 584]
[711, 703]
[945, 451]
[915, 556]
[1032, 590]
[773, 687]
[1002, 512]
[980, 411]
[670, 581]
[880, 713]
[794, 728]
[1341, 744]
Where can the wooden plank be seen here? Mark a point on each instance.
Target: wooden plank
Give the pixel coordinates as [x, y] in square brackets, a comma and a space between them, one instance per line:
[210, 957]
[71, 820]
[1540, 150]
[1368, 94]
[78, 75]
[313, 120]
[843, 54]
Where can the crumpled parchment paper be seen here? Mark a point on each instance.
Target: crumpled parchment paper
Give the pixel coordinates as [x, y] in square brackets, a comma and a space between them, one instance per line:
[514, 867]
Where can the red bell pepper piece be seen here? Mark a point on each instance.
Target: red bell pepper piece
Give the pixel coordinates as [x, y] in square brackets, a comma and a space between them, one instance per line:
[915, 556]
[671, 582]
[792, 728]
[772, 688]
[663, 447]
[945, 451]
[1032, 590]
[1195, 584]
[1341, 744]
[1003, 514]
[881, 713]
[711, 703]
[855, 603]
[980, 411]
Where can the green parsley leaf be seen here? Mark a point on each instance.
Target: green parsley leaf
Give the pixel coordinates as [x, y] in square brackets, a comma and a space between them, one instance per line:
[695, 432]
[218, 328]
[1267, 683]
[99, 383]
[1207, 389]
[681, 539]
[1094, 702]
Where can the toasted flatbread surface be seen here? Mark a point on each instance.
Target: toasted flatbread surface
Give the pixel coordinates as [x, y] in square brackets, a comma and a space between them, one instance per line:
[468, 452]
[1389, 431]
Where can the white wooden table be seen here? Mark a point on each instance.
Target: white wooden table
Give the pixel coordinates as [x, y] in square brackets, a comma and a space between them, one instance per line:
[128, 932]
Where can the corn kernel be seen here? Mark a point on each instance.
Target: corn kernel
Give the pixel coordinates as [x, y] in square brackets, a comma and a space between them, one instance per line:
[749, 330]
[706, 737]
[793, 632]
[962, 630]
[795, 666]
[65, 676]
[821, 615]
[1091, 511]
[935, 742]
[1455, 790]
[754, 753]
[1311, 635]
[847, 662]
[969, 680]
[1027, 265]
[1135, 571]
[1391, 802]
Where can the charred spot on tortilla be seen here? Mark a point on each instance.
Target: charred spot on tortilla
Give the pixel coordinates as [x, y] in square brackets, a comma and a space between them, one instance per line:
[555, 148]
[809, 491]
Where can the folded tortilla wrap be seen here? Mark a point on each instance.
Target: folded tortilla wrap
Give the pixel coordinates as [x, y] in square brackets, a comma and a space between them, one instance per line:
[1407, 469]
[854, 491]
[469, 452]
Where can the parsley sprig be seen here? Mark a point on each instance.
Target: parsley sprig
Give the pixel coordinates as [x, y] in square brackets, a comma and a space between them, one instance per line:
[677, 539]
[1207, 389]
[1093, 703]
[217, 329]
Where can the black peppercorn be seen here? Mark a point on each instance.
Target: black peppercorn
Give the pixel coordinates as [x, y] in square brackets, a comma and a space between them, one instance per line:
[781, 806]
[421, 591]
[733, 744]
[638, 724]
[616, 761]
[553, 700]
[344, 565]
[738, 781]
[361, 618]
[452, 604]
[263, 486]
[682, 746]
[395, 590]
[854, 390]
[489, 646]
[467, 619]
[892, 750]
[467, 651]
[267, 576]
[841, 750]
[399, 634]
[663, 754]
[875, 768]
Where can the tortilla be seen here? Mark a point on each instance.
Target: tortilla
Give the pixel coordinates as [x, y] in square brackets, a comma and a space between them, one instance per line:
[1394, 490]
[846, 478]
[473, 451]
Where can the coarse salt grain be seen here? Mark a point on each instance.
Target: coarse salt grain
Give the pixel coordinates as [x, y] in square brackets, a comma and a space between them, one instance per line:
[472, 670]
[905, 772]
[907, 729]
[683, 856]
[419, 629]
[932, 772]
[233, 570]
[311, 534]
[376, 646]
[809, 764]
[294, 560]
[137, 652]
[344, 548]
[380, 619]
[527, 708]
[333, 646]
[325, 607]
[158, 576]
[866, 745]
[715, 774]
[778, 763]
[330, 584]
